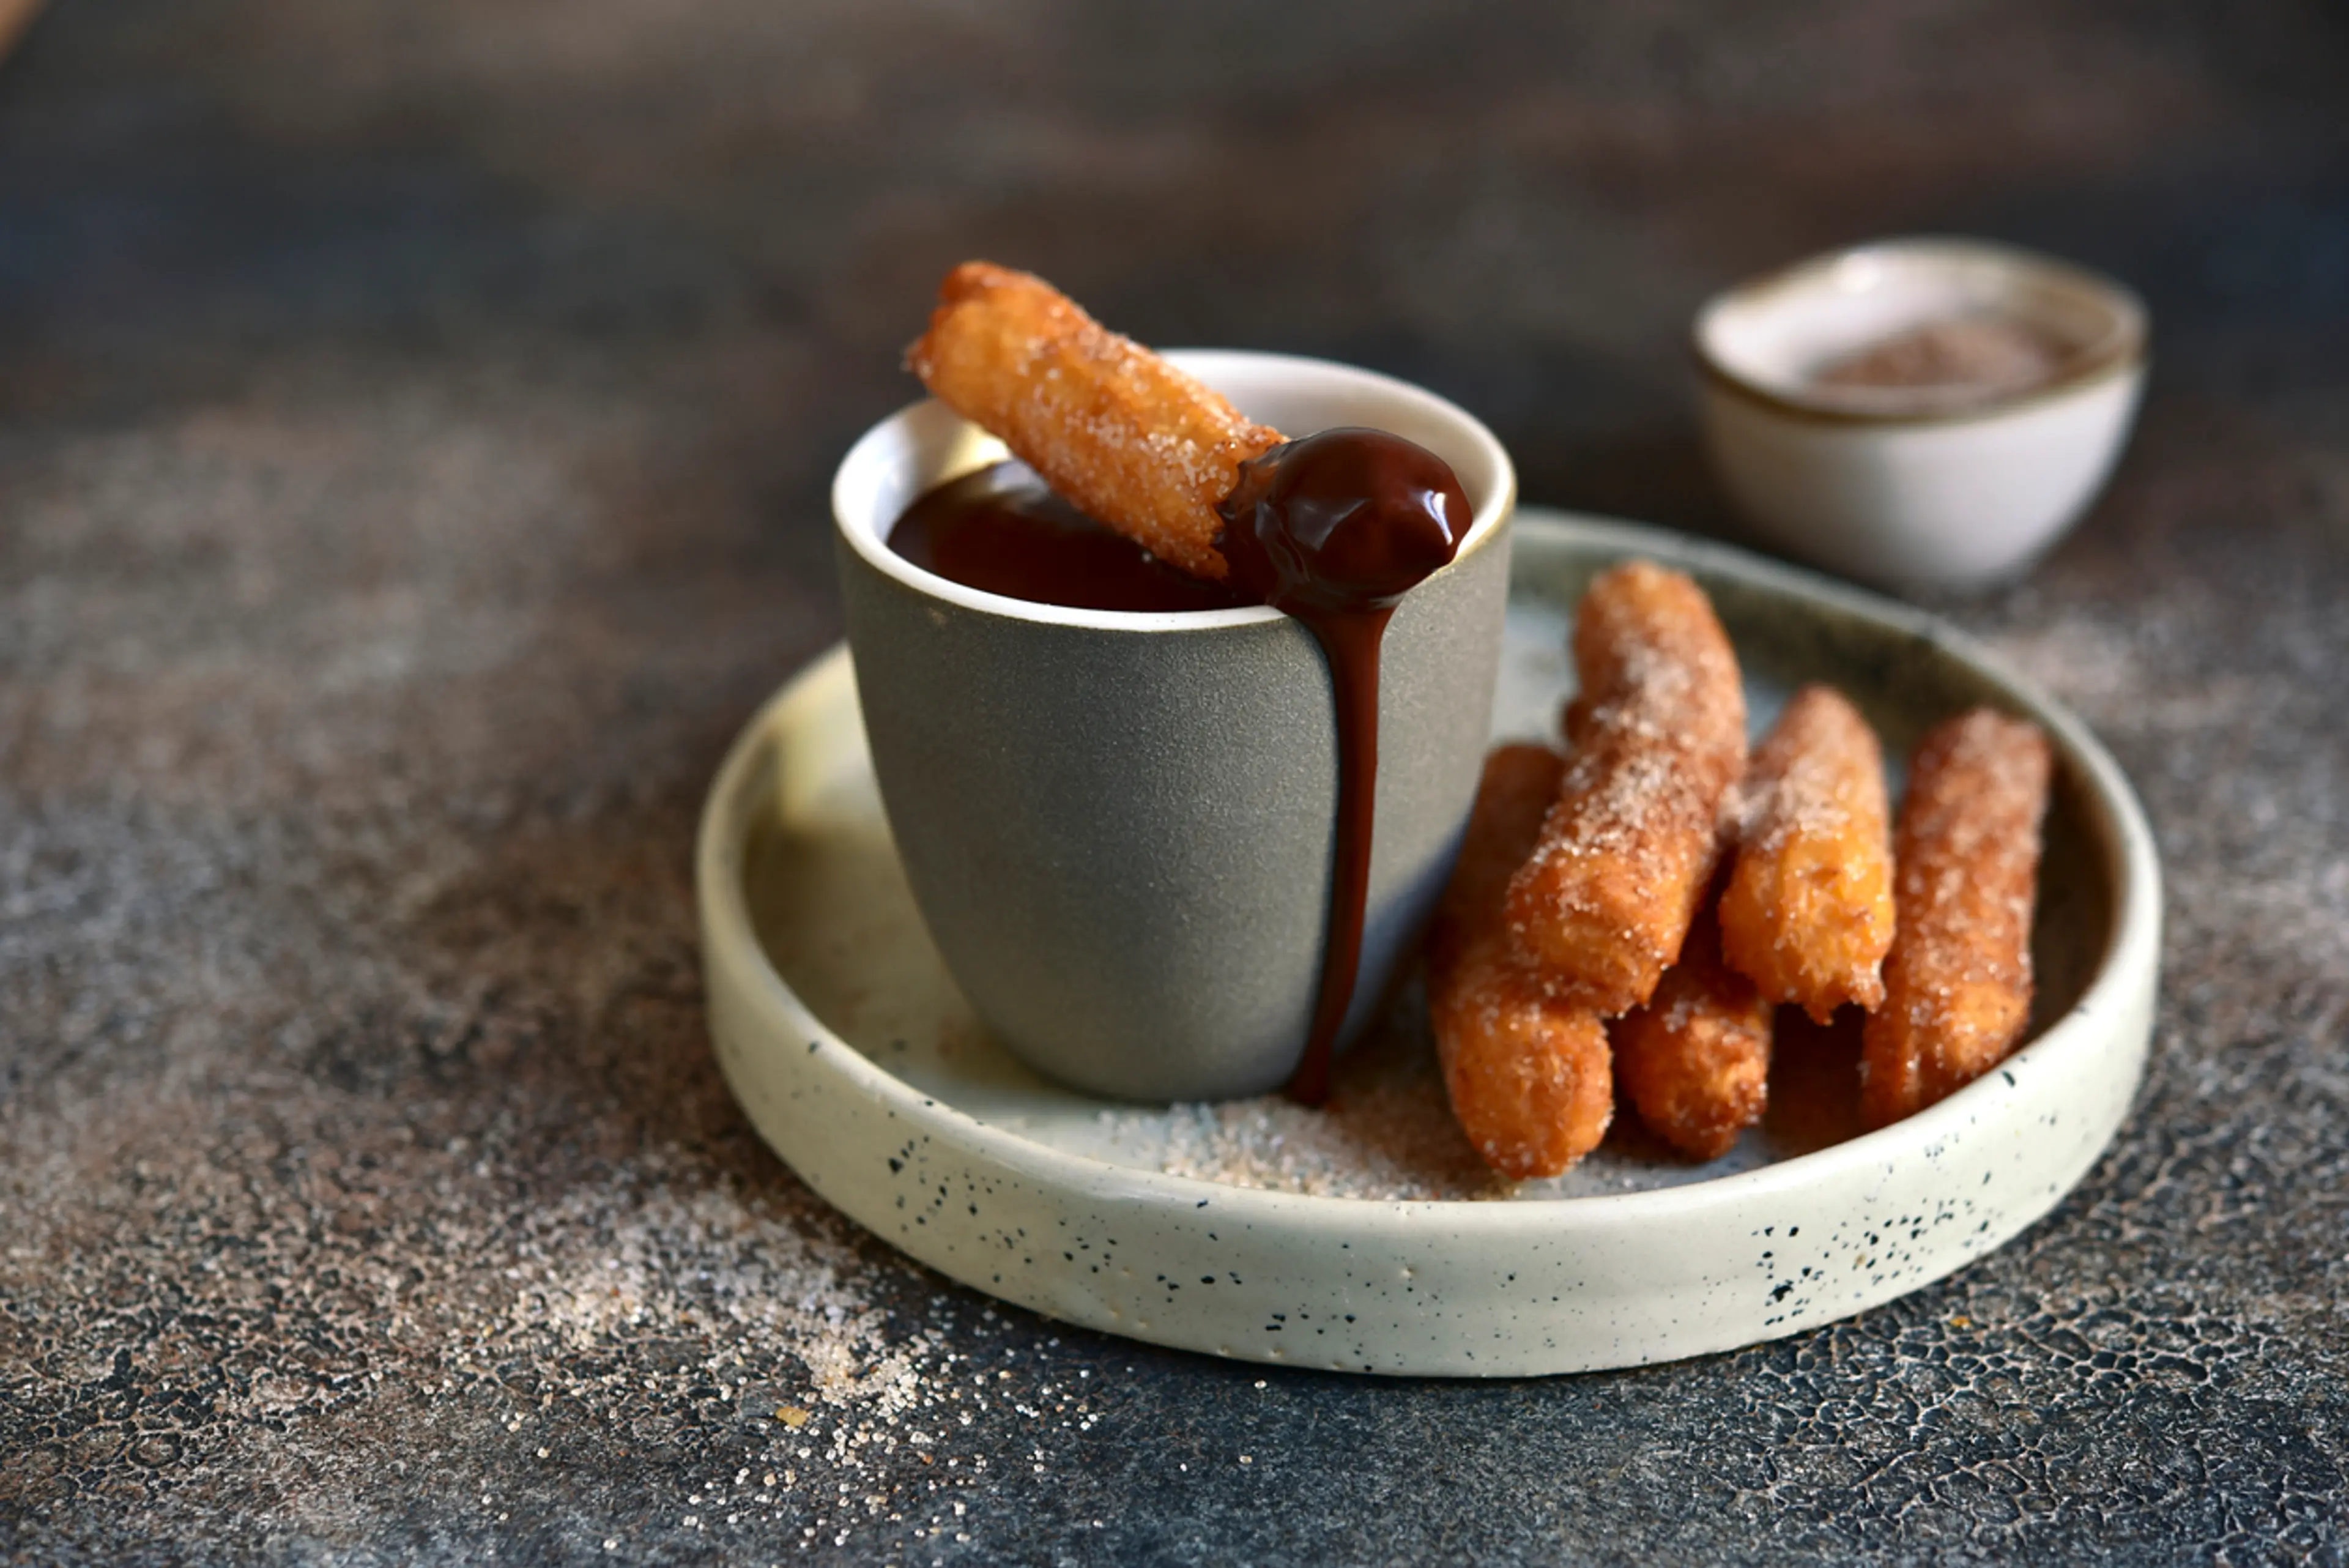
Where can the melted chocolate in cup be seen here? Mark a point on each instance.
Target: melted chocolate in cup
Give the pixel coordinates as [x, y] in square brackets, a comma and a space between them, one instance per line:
[1000, 530]
[1334, 529]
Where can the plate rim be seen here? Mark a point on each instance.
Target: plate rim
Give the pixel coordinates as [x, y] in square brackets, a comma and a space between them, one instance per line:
[2131, 946]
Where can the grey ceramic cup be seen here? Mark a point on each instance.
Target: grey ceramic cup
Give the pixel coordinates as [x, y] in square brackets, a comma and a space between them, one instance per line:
[1120, 826]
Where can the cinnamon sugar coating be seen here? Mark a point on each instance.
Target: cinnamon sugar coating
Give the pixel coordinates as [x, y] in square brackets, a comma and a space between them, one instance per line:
[1958, 982]
[1695, 1061]
[1110, 426]
[1528, 1076]
[1659, 735]
[1807, 913]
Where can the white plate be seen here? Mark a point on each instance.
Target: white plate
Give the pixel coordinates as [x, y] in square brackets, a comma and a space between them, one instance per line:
[1366, 1237]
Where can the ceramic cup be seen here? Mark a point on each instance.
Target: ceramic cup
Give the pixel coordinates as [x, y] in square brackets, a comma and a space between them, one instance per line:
[1119, 826]
[1878, 487]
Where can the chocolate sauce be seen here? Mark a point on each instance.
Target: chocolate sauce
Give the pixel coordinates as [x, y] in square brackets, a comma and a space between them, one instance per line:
[1332, 529]
[1000, 530]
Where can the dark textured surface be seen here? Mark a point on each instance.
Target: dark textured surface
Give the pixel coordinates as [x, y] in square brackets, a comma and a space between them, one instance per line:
[414, 427]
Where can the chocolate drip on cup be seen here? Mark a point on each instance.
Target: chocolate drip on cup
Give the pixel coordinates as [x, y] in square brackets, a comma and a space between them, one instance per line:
[1333, 529]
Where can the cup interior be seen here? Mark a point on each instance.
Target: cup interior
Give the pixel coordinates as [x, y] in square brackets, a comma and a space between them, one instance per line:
[926, 443]
[1774, 334]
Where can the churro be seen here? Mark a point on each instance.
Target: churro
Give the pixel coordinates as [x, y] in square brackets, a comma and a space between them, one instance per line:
[1659, 734]
[1958, 981]
[1695, 1061]
[1528, 1076]
[1807, 913]
[1111, 427]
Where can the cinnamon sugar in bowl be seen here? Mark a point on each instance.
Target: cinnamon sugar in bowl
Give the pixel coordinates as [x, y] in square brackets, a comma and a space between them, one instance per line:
[1922, 412]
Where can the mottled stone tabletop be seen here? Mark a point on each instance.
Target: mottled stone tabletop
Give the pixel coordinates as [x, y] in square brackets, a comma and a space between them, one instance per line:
[415, 422]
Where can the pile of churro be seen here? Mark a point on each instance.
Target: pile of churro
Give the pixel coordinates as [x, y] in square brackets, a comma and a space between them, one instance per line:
[1627, 916]
[1628, 913]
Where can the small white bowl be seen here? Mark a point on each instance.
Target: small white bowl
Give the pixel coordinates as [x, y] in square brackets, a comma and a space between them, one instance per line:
[1913, 488]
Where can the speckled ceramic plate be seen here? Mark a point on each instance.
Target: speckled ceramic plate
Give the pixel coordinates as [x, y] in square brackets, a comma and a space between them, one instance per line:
[1366, 1237]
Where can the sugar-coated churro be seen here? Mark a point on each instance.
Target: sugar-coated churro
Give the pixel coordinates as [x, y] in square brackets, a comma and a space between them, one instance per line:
[1659, 734]
[1807, 913]
[1958, 981]
[1528, 1076]
[1111, 427]
[1695, 1061]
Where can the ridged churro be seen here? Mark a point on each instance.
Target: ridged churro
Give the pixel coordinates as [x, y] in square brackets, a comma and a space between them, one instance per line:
[1695, 1061]
[1807, 913]
[1530, 1076]
[1958, 981]
[1111, 427]
[1659, 735]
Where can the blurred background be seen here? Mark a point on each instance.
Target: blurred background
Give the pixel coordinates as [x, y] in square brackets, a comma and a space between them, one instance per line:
[415, 422]
[740, 208]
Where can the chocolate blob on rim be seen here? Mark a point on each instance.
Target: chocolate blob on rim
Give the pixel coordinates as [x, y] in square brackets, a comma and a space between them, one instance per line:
[1348, 519]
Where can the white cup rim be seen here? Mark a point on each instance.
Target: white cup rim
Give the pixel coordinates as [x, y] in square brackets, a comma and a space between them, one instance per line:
[1489, 471]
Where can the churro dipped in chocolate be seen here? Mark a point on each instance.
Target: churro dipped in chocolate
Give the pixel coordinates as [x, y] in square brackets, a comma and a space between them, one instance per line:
[1528, 1076]
[1807, 913]
[1111, 427]
[1659, 737]
[1958, 982]
[1695, 1061]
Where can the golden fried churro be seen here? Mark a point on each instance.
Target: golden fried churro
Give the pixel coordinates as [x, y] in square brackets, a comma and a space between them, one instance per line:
[1111, 427]
[1528, 1076]
[1659, 734]
[1958, 982]
[1695, 1061]
[1807, 914]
